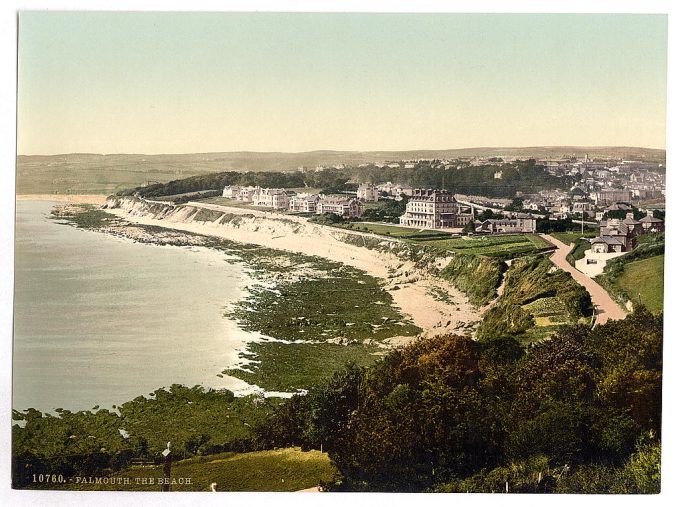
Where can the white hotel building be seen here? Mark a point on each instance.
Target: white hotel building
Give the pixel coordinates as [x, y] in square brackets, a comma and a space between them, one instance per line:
[434, 209]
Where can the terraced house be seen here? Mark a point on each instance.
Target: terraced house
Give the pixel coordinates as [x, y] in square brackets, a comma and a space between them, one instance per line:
[272, 198]
[340, 206]
[519, 224]
[304, 203]
[435, 209]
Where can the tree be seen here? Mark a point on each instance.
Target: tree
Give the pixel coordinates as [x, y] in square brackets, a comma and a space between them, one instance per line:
[516, 205]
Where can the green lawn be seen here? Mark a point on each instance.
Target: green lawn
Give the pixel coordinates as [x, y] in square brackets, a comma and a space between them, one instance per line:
[504, 245]
[580, 242]
[278, 470]
[644, 279]
[395, 231]
[573, 236]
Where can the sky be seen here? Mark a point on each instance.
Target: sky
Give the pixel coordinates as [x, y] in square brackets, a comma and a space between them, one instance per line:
[121, 82]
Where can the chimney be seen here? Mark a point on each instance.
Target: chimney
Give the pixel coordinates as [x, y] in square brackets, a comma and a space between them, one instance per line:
[650, 212]
[629, 215]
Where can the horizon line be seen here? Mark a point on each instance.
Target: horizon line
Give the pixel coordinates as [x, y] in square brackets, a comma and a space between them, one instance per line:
[345, 151]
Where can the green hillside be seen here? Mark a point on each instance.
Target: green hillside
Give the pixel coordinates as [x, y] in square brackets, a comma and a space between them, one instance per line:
[277, 470]
[643, 280]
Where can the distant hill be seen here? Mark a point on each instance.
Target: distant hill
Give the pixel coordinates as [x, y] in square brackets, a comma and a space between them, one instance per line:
[98, 173]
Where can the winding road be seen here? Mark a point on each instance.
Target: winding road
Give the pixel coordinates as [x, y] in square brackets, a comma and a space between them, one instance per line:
[605, 306]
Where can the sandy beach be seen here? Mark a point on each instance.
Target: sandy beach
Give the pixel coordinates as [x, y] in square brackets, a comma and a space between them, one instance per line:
[77, 199]
[411, 288]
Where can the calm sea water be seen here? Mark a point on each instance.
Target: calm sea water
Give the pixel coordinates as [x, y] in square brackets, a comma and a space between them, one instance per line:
[99, 320]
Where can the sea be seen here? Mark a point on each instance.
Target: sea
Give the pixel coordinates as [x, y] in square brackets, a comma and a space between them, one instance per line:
[100, 320]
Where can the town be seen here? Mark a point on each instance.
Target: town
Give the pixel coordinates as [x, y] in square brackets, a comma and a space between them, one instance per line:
[610, 202]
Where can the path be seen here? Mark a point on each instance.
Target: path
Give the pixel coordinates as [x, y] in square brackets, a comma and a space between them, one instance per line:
[604, 304]
[499, 291]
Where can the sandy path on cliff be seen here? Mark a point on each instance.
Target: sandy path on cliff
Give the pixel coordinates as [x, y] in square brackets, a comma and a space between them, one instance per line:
[606, 307]
[414, 296]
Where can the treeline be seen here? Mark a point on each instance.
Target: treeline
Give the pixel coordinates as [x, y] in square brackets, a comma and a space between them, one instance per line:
[578, 413]
[637, 214]
[519, 176]
[547, 226]
[217, 181]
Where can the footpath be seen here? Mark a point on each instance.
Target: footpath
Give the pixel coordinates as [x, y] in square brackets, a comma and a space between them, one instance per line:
[605, 306]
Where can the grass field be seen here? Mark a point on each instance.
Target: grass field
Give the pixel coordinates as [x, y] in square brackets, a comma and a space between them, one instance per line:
[573, 236]
[306, 190]
[278, 470]
[506, 245]
[502, 245]
[394, 231]
[580, 242]
[547, 311]
[644, 279]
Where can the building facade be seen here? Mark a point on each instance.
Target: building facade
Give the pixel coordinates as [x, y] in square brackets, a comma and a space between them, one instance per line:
[348, 208]
[521, 224]
[367, 192]
[247, 194]
[303, 203]
[231, 192]
[650, 224]
[434, 209]
[605, 197]
[272, 198]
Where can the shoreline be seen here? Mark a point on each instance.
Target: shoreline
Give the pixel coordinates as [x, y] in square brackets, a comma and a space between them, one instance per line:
[411, 288]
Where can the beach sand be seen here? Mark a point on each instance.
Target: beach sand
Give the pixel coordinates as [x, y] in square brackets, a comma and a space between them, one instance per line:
[411, 289]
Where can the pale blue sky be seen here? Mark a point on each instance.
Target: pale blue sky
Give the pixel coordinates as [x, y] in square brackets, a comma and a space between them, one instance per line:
[199, 82]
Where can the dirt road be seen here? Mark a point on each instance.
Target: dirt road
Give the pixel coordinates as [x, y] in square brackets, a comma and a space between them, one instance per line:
[605, 306]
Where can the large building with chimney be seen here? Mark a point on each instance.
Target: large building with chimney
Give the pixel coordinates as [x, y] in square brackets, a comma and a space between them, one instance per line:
[617, 235]
[435, 209]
